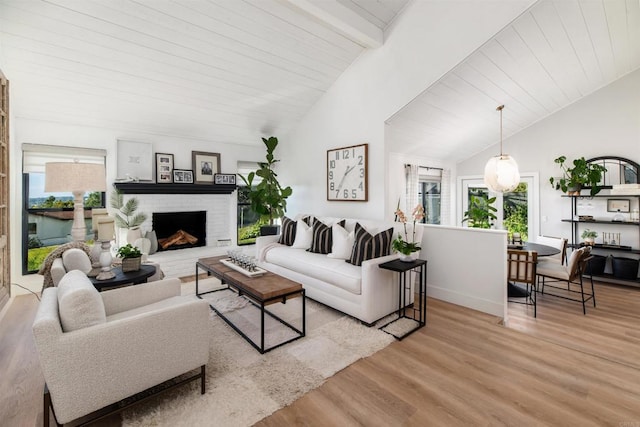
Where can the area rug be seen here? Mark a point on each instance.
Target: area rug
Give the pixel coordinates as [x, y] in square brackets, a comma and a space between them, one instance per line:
[244, 386]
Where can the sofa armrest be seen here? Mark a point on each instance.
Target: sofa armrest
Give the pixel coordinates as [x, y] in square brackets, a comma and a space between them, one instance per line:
[127, 298]
[90, 368]
[262, 242]
[57, 271]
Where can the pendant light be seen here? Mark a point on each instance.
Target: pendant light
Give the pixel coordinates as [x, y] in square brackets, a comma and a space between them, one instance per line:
[501, 172]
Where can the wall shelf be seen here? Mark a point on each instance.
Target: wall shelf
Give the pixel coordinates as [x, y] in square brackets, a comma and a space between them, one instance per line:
[153, 188]
[596, 221]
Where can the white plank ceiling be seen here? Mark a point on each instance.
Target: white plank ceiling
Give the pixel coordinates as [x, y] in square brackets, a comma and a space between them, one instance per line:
[227, 71]
[554, 54]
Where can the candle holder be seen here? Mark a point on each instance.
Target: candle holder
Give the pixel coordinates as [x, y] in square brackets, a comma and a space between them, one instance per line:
[105, 261]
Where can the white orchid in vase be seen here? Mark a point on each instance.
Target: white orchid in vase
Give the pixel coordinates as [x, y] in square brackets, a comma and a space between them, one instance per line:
[404, 246]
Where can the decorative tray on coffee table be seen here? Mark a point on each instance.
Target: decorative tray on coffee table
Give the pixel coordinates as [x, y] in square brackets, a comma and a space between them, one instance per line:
[258, 271]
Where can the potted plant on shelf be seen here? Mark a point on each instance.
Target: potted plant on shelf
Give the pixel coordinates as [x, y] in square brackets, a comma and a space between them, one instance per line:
[481, 212]
[131, 257]
[407, 249]
[589, 236]
[581, 174]
[268, 198]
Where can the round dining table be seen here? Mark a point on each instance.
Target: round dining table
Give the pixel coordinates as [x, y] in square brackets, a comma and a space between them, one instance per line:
[542, 250]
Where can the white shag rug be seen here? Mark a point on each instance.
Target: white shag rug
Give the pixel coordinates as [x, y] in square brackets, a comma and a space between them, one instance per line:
[244, 386]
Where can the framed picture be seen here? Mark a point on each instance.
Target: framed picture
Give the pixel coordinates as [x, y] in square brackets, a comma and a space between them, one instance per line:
[347, 174]
[135, 160]
[224, 178]
[183, 176]
[164, 168]
[205, 165]
[615, 205]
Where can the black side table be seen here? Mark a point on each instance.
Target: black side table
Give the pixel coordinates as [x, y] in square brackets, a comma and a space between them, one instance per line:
[128, 278]
[418, 314]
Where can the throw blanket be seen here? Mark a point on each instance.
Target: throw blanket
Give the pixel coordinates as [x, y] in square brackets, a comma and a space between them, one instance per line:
[45, 268]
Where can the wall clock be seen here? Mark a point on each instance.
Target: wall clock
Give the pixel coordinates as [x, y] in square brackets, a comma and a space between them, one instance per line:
[347, 173]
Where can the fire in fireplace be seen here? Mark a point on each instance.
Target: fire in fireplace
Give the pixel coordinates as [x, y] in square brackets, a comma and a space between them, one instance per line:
[180, 230]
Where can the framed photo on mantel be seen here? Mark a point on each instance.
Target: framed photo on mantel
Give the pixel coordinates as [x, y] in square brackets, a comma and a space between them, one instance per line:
[205, 166]
[164, 168]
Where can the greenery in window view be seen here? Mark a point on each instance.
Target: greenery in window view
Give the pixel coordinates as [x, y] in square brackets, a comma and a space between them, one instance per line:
[480, 213]
[249, 222]
[36, 252]
[93, 200]
[515, 211]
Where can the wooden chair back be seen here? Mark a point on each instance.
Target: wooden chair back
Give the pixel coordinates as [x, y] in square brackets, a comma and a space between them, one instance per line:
[521, 266]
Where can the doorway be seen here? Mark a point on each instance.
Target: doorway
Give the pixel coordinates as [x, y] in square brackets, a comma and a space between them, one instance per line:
[516, 211]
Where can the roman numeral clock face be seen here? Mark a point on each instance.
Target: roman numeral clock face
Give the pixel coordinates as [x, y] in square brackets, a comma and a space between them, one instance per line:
[347, 173]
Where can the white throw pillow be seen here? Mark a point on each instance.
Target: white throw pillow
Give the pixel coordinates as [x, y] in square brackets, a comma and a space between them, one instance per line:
[304, 235]
[79, 302]
[342, 242]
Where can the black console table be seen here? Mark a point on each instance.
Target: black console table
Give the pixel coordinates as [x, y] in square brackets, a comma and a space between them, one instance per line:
[418, 311]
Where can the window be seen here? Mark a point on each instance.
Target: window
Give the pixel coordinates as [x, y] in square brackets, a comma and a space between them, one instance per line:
[48, 217]
[248, 221]
[429, 193]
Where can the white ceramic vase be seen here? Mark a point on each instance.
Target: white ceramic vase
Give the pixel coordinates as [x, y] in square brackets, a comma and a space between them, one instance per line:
[133, 234]
[408, 258]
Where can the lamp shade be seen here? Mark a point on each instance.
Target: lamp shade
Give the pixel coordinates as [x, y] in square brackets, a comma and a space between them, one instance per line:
[501, 173]
[74, 177]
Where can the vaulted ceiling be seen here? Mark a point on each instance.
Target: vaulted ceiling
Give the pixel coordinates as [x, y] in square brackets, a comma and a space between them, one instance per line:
[211, 70]
[235, 70]
[551, 56]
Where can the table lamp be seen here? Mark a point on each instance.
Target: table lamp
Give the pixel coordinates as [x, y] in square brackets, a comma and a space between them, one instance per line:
[105, 233]
[78, 178]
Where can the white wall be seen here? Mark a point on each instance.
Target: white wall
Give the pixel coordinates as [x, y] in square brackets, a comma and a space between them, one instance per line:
[467, 267]
[379, 83]
[40, 132]
[605, 123]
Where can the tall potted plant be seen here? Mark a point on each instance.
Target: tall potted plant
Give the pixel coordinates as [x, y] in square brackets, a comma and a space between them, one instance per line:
[581, 174]
[268, 198]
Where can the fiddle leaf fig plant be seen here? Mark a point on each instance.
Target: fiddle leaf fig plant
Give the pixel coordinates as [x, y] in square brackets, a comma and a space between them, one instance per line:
[268, 198]
[581, 173]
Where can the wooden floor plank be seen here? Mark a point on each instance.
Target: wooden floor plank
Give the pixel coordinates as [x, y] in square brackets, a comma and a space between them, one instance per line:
[464, 368]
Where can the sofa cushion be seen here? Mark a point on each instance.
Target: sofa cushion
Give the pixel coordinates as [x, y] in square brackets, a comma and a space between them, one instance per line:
[76, 259]
[304, 235]
[149, 308]
[79, 302]
[288, 232]
[322, 240]
[367, 246]
[334, 271]
[342, 242]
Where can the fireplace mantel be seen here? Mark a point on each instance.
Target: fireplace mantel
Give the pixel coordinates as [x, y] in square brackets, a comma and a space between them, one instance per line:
[153, 188]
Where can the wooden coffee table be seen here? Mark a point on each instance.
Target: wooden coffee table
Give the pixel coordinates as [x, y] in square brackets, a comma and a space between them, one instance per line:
[261, 291]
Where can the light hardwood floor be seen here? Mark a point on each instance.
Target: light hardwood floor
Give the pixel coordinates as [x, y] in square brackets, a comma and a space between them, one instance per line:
[463, 368]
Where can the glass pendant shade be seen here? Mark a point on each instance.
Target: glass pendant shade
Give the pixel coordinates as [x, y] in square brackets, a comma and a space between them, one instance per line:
[501, 174]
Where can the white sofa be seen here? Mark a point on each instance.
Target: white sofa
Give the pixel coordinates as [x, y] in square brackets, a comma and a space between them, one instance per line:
[365, 292]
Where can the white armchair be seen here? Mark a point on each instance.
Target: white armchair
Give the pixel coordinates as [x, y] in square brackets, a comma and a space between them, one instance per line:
[96, 348]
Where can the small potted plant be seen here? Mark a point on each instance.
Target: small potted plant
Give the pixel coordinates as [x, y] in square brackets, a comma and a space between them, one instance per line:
[589, 236]
[404, 247]
[581, 174]
[131, 257]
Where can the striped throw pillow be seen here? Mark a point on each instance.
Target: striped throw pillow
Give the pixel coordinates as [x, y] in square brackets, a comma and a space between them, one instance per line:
[322, 237]
[367, 246]
[288, 233]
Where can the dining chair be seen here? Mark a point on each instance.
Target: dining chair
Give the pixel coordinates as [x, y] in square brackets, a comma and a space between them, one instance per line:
[556, 242]
[571, 274]
[521, 267]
